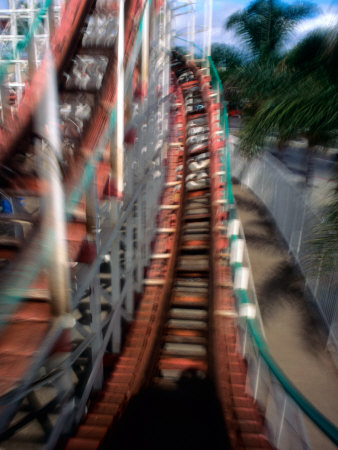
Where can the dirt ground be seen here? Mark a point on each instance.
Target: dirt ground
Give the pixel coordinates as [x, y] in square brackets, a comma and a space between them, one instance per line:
[292, 326]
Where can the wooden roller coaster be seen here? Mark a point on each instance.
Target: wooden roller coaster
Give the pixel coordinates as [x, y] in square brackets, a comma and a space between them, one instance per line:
[184, 327]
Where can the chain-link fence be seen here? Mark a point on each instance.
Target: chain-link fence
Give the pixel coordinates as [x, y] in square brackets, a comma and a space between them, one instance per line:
[295, 219]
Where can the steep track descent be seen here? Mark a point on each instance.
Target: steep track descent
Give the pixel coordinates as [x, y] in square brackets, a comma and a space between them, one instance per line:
[178, 408]
[174, 403]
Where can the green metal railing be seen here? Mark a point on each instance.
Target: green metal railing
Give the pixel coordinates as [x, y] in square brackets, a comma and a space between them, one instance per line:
[224, 123]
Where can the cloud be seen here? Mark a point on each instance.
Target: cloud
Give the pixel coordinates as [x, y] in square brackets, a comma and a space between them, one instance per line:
[322, 21]
[222, 9]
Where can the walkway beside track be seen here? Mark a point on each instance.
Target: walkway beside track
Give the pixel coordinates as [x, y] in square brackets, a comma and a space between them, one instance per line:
[291, 325]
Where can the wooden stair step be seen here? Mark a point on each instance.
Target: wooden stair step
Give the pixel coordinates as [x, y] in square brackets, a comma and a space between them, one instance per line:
[196, 225]
[108, 396]
[182, 364]
[254, 440]
[192, 282]
[179, 332]
[108, 409]
[186, 290]
[189, 300]
[195, 237]
[197, 202]
[77, 443]
[183, 349]
[195, 246]
[247, 413]
[188, 313]
[196, 340]
[198, 210]
[249, 426]
[92, 432]
[101, 420]
[187, 324]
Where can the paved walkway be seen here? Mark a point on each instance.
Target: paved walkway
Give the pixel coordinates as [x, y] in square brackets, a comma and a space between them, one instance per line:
[293, 330]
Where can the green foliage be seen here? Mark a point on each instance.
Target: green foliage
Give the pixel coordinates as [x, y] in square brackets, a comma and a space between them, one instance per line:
[318, 51]
[226, 56]
[265, 24]
[295, 97]
[291, 96]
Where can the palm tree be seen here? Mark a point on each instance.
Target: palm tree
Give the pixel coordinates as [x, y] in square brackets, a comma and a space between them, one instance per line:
[304, 99]
[265, 24]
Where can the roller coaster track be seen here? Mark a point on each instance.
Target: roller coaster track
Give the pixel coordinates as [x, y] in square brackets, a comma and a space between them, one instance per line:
[116, 282]
[184, 330]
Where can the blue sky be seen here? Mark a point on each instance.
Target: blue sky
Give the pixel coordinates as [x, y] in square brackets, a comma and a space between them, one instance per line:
[223, 8]
[328, 16]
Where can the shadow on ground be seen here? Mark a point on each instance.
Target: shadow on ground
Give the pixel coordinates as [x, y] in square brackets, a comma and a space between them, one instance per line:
[278, 281]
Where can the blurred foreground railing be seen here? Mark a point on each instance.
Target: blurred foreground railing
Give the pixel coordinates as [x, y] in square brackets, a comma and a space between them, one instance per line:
[122, 226]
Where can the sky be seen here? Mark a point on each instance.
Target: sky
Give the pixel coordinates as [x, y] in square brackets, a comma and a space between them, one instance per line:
[328, 16]
[223, 8]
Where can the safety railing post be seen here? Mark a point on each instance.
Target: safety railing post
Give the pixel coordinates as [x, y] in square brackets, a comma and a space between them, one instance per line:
[139, 243]
[95, 310]
[145, 50]
[32, 64]
[120, 103]
[281, 425]
[115, 292]
[51, 18]
[54, 210]
[53, 216]
[129, 267]
[258, 374]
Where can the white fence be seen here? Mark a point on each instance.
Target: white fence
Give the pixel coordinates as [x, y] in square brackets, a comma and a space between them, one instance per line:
[284, 420]
[295, 219]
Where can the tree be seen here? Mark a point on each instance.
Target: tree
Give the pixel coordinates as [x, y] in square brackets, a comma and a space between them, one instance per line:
[303, 100]
[265, 24]
[226, 56]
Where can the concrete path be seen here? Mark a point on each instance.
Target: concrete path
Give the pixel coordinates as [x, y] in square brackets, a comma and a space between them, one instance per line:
[292, 326]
